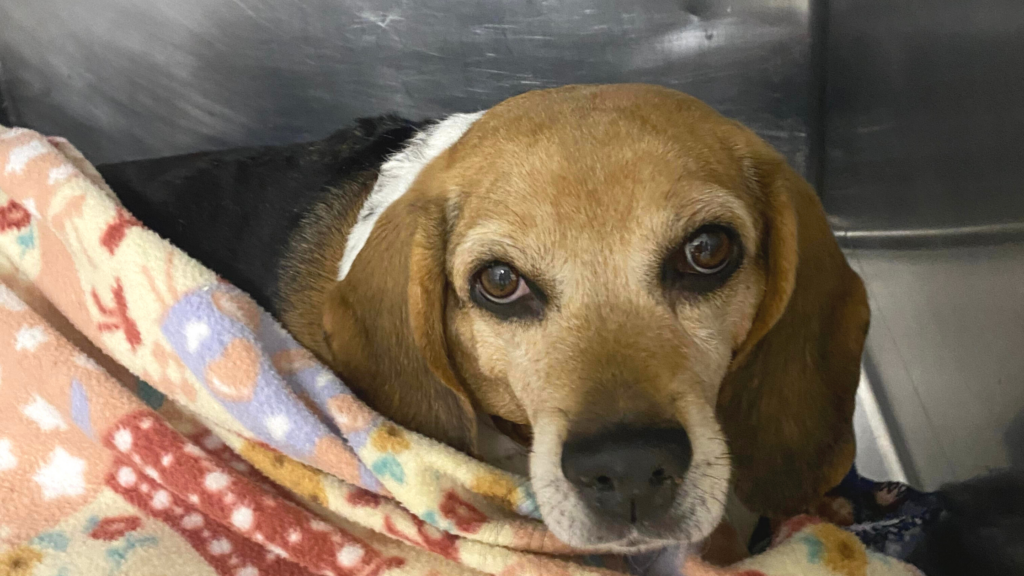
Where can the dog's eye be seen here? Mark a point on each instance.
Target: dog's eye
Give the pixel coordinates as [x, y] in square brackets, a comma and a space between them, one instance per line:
[708, 250]
[502, 283]
[706, 259]
[500, 289]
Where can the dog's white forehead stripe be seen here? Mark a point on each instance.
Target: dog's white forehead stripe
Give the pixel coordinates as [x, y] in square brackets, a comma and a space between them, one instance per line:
[397, 176]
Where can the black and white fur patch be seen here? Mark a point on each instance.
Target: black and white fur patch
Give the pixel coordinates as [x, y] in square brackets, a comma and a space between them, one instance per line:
[397, 176]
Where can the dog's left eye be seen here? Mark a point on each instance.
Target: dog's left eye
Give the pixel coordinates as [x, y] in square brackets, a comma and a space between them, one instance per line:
[501, 283]
[500, 289]
[705, 260]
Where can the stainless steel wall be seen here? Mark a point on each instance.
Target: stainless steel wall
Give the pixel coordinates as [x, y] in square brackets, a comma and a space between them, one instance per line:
[127, 79]
[925, 115]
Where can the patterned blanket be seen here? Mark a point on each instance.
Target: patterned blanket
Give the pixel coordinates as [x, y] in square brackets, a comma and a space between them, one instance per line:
[155, 421]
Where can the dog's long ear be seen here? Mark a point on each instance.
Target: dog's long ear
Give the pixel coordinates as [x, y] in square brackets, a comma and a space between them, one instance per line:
[385, 324]
[787, 404]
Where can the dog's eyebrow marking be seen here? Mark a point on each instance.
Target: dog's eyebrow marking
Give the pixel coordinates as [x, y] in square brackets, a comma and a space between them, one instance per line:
[396, 177]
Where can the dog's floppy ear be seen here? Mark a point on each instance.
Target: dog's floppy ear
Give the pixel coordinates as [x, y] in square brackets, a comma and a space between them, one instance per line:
[385, 323]
[787, 404]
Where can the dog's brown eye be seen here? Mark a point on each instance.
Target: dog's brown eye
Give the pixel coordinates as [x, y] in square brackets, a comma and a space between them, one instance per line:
[704, 261]
[708, 250]
[500, 282]
[501, 290]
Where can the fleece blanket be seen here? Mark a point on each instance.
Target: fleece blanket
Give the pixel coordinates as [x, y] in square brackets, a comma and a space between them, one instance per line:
[155, 421]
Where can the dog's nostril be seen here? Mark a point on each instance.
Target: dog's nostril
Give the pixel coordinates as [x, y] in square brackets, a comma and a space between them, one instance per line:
[604, 484]
[659, 477]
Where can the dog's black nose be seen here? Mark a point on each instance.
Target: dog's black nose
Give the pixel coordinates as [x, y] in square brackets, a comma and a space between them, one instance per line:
[628, 474]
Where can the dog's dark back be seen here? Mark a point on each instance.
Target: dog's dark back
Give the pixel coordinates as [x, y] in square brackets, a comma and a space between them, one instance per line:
[234, 210]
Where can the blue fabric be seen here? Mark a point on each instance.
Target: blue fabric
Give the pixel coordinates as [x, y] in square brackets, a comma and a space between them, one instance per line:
[888, 517]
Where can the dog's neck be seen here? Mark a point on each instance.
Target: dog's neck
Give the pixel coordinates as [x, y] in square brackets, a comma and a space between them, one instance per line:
[317, 243]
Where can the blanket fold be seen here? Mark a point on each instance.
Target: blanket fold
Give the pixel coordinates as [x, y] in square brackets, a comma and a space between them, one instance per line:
[154, 420]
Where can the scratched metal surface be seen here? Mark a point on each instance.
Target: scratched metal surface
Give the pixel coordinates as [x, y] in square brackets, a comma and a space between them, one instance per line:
[125, 79]
[925, 120]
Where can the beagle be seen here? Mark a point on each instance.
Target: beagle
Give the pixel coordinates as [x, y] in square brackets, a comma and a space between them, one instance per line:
[639, 290]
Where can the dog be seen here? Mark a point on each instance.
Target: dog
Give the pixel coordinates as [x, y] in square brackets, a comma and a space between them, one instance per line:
[640, 292]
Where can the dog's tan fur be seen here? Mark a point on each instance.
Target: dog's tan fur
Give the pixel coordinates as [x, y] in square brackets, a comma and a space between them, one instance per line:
[585, 189]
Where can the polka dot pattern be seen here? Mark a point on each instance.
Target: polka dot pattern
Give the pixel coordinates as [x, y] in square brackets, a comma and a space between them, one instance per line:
[225, 515]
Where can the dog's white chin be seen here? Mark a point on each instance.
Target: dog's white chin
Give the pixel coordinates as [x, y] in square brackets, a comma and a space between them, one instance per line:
[698, 509]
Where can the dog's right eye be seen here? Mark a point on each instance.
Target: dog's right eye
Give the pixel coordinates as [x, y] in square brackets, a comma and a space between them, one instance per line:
[501, 290]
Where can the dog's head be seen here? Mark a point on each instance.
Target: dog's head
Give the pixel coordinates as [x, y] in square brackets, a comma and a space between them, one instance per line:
[642, 285]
